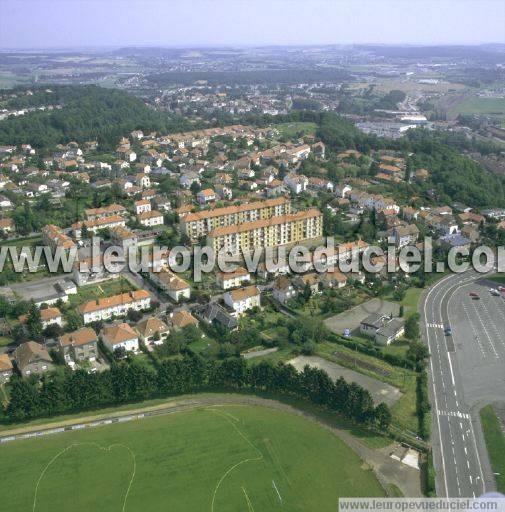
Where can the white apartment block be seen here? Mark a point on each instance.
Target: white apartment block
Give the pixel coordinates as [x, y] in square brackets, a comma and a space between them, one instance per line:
[117, 305]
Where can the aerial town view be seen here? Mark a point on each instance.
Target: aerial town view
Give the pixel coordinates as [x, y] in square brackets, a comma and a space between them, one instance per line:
[252, 255]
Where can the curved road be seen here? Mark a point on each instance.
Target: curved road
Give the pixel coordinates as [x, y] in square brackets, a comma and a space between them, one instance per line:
[466, 371]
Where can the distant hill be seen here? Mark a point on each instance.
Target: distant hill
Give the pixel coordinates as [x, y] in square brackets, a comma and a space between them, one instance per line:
[87, 113]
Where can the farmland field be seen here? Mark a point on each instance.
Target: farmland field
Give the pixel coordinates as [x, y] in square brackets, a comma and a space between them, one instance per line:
[494, 107]
[210, 459]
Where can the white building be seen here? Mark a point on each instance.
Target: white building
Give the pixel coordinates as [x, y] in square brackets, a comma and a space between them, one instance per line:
[243, 299]
[120, 336]
[175, 287]
[297, 183]
[117, 305]
[150, 218]
[144, 205]
[228, 280]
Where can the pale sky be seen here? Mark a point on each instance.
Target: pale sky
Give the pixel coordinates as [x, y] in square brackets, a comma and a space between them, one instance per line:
[183, 23]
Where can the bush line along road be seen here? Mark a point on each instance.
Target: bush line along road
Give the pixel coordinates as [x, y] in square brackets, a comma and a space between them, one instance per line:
[460, 457]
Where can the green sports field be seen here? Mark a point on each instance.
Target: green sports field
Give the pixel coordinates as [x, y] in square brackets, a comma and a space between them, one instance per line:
[222, 459]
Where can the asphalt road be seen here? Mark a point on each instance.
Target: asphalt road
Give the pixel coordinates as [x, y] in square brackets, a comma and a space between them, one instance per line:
[467, 370]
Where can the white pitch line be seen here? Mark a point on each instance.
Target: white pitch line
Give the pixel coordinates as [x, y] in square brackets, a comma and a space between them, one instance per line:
[277, 491]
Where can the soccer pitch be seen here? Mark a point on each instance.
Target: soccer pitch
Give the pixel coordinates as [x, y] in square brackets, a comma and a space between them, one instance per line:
[216, 459]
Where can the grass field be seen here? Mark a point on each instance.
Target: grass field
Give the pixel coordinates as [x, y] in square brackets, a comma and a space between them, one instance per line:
[495, 443]
[494, 107]
[103, 289]
[291, 130]
[215, 459]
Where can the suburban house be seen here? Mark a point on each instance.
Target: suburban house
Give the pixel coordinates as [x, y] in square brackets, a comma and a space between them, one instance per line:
[5, 368]
[217, 314]
[80, 345]
[48, 316]
[174, 286]
[308, 280]
[120, 336]
[54, 237]
[142, 205]
[297, 183]
[227, 280]
[123, 237]
[405, 235]
[32, 358]
[116, 305]
[150, 218]
[384, 329]
[182, 318]
[283, 290]
[152, 330]
[242, 299]
[207, 195]
[334, 279]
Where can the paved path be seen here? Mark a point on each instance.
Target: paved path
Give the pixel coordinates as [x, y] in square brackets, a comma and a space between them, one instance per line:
[386, 469]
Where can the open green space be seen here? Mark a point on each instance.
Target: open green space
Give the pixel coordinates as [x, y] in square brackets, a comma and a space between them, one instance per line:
[231, 458]
[295, 129]
[103, 289]
[495, 443]
[494, 107]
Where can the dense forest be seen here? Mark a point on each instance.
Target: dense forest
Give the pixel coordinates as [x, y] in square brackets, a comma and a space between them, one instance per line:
[87, 113]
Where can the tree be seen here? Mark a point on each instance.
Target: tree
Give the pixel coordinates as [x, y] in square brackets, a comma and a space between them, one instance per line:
[34, 323]
[74, 320]
[382, 416]
[412, 331]
[417, 352]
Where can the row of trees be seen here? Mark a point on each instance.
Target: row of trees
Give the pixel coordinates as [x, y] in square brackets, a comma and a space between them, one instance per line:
[131, 380]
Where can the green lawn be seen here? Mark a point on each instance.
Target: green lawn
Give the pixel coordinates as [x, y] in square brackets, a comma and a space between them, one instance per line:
[494, 107]
[495, 443]
[292, 130]
[104, 289]
[215, 459]
[4, 341]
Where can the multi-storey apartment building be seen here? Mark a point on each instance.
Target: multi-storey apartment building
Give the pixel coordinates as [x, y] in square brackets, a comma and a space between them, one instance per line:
[117, 305]
[269, 232]
[198, 224]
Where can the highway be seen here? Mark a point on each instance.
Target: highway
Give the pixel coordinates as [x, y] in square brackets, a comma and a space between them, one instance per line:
[466, 370]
